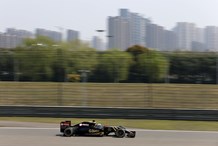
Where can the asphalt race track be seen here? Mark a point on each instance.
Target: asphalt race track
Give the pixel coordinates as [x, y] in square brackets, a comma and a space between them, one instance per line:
[48, 135]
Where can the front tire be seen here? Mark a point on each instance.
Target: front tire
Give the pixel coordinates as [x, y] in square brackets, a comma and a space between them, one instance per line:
[120, 133]
[131, 134]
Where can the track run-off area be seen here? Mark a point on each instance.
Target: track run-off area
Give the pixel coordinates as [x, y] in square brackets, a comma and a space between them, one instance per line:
[49, 135]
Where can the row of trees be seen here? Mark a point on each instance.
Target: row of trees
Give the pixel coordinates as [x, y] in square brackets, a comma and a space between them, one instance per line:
[193, 67]
[41, 59]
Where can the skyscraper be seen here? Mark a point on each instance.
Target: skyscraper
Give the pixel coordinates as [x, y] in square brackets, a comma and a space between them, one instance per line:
[185, 33]
[54, 35]
[97, 43]
[169, 40]
[211, 38]
[198, 43]
[118, 32]
[155, 36]
[10, 41]
[13, 37]
[19, 33]
[137, 26]
[72, 35]
[126, 30]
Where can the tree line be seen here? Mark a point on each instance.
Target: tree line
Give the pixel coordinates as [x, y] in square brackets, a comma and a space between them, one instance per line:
[42, 59]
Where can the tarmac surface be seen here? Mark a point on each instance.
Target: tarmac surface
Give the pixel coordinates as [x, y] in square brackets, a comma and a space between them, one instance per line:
[38, 134]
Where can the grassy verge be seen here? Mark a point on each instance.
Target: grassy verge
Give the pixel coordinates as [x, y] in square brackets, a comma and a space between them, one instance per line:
[144, 124]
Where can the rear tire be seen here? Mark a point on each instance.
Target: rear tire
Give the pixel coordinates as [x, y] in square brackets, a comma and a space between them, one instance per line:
[68, 132]
[120, 133]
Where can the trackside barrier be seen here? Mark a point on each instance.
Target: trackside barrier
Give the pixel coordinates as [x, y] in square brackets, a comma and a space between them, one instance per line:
[120, 113]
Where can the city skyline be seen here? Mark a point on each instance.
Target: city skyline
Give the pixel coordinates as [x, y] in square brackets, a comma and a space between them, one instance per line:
[184, 37]
[87, 16]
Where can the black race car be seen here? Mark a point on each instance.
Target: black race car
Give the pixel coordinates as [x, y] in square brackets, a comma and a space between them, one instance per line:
[91, 128]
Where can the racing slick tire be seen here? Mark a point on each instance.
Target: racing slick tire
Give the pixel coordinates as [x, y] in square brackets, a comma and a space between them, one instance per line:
[68, 132]
[131, 134]
[120, 133]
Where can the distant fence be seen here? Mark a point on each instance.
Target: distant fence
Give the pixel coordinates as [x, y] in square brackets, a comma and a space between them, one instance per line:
[128, 95]
[117, 113]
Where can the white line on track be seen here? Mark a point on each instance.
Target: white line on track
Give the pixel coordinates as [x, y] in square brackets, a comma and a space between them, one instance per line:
[24, 128]
[177, 131]
[143, 130]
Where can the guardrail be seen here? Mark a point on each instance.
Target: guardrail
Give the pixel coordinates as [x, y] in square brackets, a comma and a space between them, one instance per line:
[119, 113]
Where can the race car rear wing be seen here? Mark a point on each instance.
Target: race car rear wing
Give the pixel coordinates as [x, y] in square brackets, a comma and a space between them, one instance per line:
[64, 125]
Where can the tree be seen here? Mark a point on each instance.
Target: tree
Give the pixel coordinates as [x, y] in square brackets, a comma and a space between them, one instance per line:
[192, 67]
[42, 59]
[38, 41]
[134, 72]
[34, 59]
[113, 66]
[137, 50]
[80, 57]
[153, 66]
[59, 63]
[6, 64]
[148, 65]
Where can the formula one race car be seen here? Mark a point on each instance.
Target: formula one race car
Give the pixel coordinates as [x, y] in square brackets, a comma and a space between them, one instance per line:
[91, 128]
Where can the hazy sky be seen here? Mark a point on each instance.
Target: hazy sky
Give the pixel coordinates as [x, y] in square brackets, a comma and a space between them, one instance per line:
[88, 15]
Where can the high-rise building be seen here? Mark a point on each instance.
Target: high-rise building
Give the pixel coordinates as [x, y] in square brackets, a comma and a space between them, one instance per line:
[13, 37]
[97, 43]
[19, 33]
[54, 35]
[137, 26]
[169, 40]
[211, 38]
[199, 35]
[198, 43]
[155, 36]
[72, 35]
[185, 33]
[10, 41]
[126, 30]
[118, 33]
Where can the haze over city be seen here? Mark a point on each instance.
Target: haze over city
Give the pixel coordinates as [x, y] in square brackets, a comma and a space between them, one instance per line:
[87, 16]
[109, 73]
